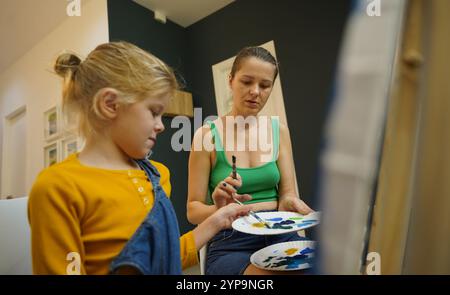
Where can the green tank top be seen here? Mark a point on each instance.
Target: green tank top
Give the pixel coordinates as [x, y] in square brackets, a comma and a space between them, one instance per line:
[260, 182]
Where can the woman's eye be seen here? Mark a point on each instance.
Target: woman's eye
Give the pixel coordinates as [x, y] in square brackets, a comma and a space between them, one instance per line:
[246, 82]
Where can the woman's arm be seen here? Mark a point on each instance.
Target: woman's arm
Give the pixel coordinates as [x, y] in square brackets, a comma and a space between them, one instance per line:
[198, 178]
[288, 198]
[198, 181]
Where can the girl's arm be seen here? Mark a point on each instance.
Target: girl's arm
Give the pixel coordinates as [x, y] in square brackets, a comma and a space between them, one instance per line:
[56, 244]
[192, 241]
[221, 219]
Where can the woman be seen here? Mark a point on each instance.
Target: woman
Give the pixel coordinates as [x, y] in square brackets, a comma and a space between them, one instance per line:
[266, 181]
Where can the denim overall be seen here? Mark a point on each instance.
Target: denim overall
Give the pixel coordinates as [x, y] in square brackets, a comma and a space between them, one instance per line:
[155, 246]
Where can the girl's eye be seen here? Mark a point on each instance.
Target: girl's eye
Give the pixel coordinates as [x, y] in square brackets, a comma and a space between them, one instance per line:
[155, 113]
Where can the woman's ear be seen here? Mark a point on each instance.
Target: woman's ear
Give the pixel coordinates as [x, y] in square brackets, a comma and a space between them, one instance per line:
[107, 103]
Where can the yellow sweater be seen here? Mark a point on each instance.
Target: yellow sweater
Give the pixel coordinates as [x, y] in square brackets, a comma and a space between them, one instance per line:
[91, 211]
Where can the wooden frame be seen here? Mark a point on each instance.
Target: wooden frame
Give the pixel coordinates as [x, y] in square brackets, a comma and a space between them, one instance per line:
[52, 124]
[180, 105]
[51, 154]
[69, 145]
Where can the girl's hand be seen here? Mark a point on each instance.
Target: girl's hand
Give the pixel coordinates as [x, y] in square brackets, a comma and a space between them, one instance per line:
[224, 191]
[293, 204]
[219, 220]
[224, 217]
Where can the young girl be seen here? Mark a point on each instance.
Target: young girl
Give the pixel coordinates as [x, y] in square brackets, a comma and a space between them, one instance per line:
[105, 209]
[265, 180]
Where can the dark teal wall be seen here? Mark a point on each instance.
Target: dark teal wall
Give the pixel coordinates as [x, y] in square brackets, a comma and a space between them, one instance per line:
[307, 36]
[131, 22]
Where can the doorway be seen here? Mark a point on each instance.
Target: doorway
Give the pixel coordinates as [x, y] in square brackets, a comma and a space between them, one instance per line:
[14, 155]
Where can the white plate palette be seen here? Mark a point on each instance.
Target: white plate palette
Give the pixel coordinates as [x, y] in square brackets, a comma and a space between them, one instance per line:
[280, 222]
[286, 256]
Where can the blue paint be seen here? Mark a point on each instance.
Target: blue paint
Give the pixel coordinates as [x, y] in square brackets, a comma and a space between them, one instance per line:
[291, 262]
[289, 224]
[275, 219]
[307, 250]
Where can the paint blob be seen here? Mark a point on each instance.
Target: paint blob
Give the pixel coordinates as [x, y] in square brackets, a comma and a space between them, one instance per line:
[290, 251]
[258, 224]
[290, 262]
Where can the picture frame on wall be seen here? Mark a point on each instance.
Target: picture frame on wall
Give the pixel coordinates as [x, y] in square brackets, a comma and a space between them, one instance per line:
[52, 124]
[51, 154]
[69, 146]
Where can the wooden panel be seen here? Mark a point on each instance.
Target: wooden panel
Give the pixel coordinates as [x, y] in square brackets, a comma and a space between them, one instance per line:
[392, 205]
[428, 246]
[180, 105]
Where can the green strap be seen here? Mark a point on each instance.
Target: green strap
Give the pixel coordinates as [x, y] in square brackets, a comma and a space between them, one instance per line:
[276, 136]
[216, 137]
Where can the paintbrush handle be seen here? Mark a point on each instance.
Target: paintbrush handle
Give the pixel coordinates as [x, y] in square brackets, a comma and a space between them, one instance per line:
[252, 213]
[233, 160]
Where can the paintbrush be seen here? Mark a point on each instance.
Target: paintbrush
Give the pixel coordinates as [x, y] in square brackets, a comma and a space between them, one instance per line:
[233, 160]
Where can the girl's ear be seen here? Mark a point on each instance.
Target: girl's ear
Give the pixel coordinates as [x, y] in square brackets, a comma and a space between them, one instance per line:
[107, 103]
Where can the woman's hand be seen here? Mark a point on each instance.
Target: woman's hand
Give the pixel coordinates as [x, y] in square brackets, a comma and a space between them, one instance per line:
[293, 204]
[224, 191]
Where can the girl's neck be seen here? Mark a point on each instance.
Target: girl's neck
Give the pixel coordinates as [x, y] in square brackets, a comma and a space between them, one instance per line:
[102, 152]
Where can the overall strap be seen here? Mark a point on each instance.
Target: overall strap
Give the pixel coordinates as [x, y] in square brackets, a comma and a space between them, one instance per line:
[152, 175]
[154, 248]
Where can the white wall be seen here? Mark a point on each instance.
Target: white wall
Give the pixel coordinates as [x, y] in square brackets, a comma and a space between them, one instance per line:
[30, 80]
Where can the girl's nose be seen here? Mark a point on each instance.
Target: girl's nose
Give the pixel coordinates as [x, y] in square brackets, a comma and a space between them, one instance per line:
[159, 127]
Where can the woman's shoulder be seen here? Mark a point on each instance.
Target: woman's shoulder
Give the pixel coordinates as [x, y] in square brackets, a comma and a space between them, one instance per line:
[284, 130]
[202, 135]
[207, 126]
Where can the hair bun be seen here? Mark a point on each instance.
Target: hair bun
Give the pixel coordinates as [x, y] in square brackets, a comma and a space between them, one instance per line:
[66, 62]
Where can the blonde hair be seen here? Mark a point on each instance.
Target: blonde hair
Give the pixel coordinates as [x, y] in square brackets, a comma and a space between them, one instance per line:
[133, 72]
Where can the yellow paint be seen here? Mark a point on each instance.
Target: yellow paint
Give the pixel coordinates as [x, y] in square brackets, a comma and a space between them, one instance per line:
[291, 251]
[258, 224]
